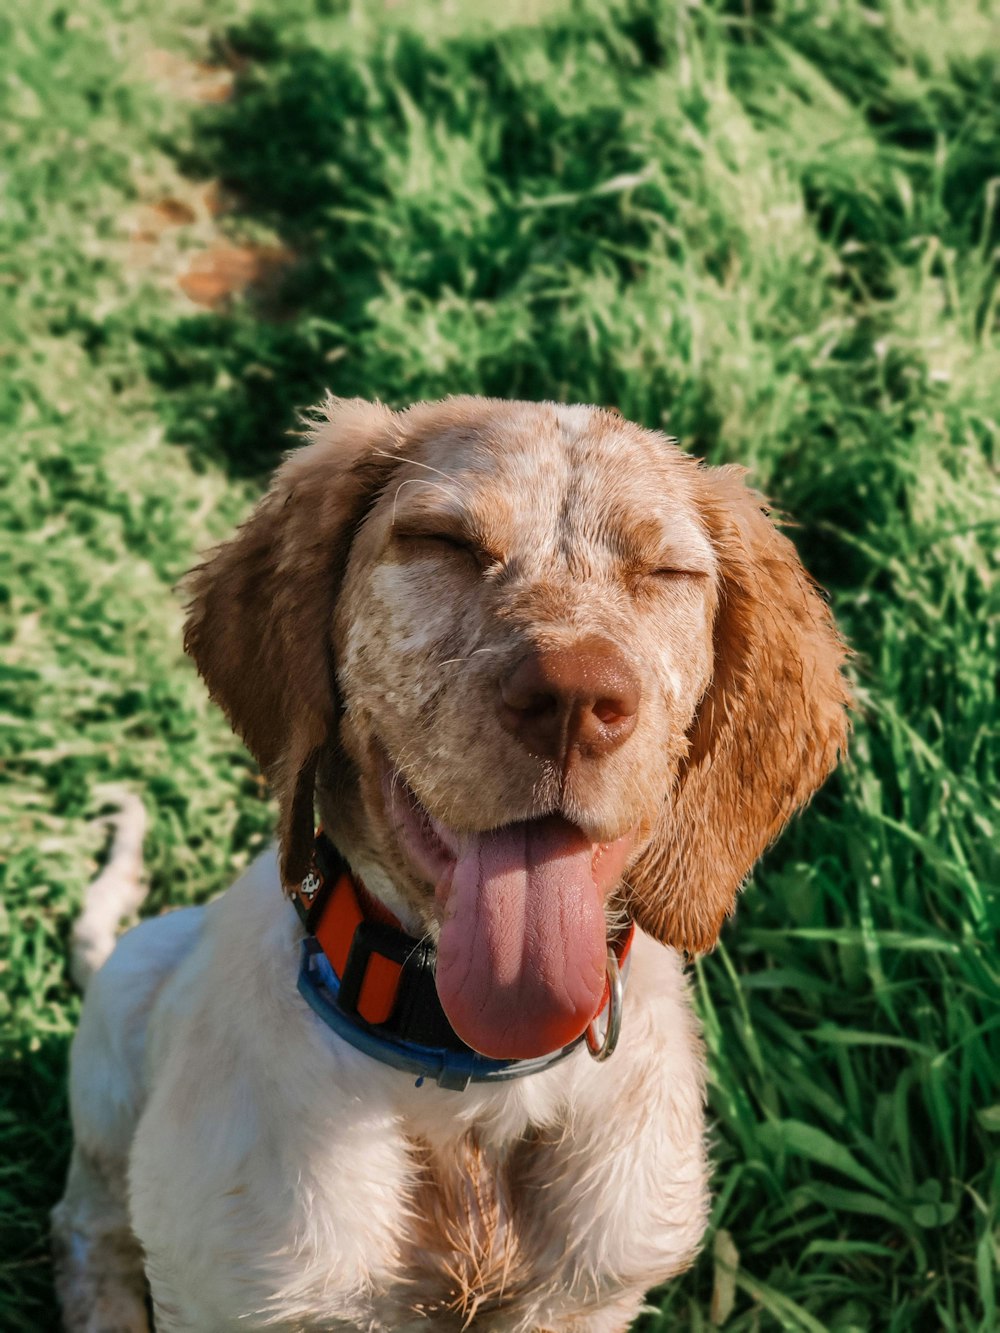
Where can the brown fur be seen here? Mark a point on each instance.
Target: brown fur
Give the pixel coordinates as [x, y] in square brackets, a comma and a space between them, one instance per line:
[298, 624]
[767, 733]
[468, 1250]
[261, 606]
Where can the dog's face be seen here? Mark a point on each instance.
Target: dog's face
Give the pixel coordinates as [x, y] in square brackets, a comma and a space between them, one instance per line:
[524, 633]
[548, 666]
[526, 624]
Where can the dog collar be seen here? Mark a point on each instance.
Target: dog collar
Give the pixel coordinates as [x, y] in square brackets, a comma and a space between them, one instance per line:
[373, 984]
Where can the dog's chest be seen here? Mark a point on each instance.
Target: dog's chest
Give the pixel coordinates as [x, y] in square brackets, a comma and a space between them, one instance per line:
[475, 1235]
[476, 1243]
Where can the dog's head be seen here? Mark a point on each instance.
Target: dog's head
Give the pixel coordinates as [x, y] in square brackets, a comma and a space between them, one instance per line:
[539, 666]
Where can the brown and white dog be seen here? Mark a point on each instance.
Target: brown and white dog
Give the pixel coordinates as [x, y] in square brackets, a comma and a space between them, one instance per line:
[542, 674]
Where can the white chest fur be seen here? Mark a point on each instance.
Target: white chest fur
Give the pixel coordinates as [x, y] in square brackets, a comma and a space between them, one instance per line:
[281, 1179]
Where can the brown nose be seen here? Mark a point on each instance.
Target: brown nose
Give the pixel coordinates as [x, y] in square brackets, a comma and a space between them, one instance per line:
[585, 697]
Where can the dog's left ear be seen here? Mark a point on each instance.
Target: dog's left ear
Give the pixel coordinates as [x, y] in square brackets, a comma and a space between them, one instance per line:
[767, 733]
[261, 607]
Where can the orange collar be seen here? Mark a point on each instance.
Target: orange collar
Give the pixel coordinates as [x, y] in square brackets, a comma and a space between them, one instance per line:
[374, 984]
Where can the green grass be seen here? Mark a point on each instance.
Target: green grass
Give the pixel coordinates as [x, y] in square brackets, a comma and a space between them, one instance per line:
[774, 231]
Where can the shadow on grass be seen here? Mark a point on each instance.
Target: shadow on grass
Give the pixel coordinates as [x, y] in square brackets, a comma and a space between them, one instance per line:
[439, 200]
[529, 215]
[485, 214]
[35, 1142]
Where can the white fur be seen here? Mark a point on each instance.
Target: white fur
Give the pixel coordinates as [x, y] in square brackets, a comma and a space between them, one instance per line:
[270, 1164]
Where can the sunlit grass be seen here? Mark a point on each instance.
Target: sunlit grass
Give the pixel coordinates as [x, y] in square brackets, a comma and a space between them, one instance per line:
[774, 234]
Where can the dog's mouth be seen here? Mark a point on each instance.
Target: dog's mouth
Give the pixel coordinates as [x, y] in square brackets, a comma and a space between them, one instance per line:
[523, 946]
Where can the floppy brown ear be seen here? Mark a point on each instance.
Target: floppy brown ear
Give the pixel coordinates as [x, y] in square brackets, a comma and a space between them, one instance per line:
[766, 735]
[261, 607]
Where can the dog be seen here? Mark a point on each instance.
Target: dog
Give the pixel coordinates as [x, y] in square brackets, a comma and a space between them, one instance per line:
[552, 686]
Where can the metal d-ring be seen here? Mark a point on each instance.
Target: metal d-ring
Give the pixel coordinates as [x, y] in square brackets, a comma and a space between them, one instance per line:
[602, 1049]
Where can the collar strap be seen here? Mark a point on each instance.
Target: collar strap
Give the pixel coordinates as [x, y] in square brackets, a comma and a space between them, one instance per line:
[374, 984]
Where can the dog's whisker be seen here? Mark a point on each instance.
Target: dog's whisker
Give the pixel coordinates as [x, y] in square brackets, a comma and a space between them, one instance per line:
[414, 462]
[450, 661]
[411, 481]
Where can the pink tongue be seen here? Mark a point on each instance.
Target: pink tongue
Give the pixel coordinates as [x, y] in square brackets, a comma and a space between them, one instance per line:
[522, 954]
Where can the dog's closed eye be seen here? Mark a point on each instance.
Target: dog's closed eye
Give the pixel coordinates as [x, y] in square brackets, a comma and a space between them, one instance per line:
[438, 540]
[676, 572]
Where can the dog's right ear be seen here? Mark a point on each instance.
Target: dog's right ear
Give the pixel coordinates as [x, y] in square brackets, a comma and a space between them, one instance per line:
[261, 606]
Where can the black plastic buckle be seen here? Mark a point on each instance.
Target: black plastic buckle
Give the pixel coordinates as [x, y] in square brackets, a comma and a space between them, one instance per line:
[417, 1015]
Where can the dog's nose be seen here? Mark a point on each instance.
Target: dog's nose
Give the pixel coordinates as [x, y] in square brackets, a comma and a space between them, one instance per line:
[584, 697]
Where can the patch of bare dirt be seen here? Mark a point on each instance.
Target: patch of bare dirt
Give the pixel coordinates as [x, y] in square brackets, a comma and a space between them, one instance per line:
[178, 235]
[191, 80]
[223, 270]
